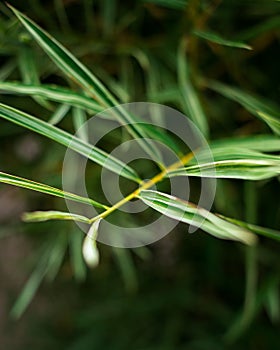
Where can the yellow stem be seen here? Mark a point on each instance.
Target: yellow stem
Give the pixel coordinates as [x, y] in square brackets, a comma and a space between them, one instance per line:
[146, 185]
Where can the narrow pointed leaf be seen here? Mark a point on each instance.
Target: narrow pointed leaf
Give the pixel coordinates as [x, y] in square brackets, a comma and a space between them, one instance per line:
[273, 122]
[191, 104]
[233, 169]
[29, 290]
[261, 108]
[263, 143]
[59, 114]
[76, 255]
[53, 93]
[93, 153]
[28, 68]
[64, 59]
[231, 163]
[39, 216]
[80, 74]
[217, 39]
[42, 188]
[79, 120]
[172, 4]
[189, 213]
[259, 230]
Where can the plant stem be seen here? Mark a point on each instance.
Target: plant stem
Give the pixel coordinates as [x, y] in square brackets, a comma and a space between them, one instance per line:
[146, 185]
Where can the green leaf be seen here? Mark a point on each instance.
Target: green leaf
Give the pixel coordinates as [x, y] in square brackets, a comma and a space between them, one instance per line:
[127, 267]
[263, 143]
[39, 216]
[74, 69]
[65, 60]
[76, 256]
[93, 153]
[261, 108]
[53, 93]
[59, 114]
[231, 163]
[29, 290]
[262, 231]
[49, 261]
[30, 74]
[189, 213]
[271, 121]
[190, 100]
[172, 4]
[39, 187]
[217, 39]
[56, 255]
[79, 120]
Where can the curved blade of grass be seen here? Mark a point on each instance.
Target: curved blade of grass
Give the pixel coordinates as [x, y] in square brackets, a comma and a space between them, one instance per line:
[172, 4]
[79, 120]
[233, 163]
[268, 25]
[261, 108]
[50, 259]
[76, 256]
[220, 153]
[53, 93]
[74, 69]
[59, 114]
[271, 121]
[65, 60]
[39, 187]
[93, 153]
[39, 216]
[56, 256]
[217, 39]
[263, 143]
[263, 231]
[190, 99]
[244, 169]
[68, 97]
[189, 213]
[29, 290]
[29, 73]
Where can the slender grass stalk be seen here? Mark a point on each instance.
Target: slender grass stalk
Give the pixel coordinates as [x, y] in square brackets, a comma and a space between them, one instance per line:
[144, 186]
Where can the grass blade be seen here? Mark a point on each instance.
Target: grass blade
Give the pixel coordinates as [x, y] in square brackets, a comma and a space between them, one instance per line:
[217, 39]
[65, 60]
[40, 216]
[263, 143]
[42, 188]
[259, 230]
[29, 73]
[79, 120]
[191, 214]
[81, 75]
[232, 169]
[259, 107]
[232, 163]
[76, 255]
[172, 4]
[273, 122]
[93, 153]
[53, 93]
[29, 290]
[190, 100]
[59, 114]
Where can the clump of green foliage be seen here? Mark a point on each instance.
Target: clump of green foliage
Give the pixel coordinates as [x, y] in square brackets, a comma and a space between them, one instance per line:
[204, 58]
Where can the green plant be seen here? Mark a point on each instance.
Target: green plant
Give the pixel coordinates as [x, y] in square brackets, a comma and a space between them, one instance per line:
[246, 158]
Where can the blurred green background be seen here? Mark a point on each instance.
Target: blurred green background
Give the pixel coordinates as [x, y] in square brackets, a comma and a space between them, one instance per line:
[185, 291]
